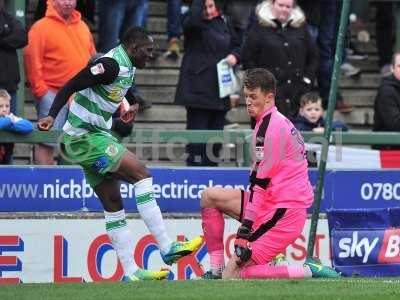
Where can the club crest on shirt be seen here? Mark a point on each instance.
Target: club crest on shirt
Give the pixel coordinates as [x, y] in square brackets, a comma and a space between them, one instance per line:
[259, 153]
[112, 150]
[294, 132]
[97, 69]
[117, 94]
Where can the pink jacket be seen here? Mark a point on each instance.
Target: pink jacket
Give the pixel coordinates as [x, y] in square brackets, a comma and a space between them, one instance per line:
[280, 164]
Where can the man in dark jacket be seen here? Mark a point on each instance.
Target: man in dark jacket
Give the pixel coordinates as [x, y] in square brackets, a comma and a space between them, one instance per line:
[387, 103]
[12, 37]
[239, 11]
[208, 40]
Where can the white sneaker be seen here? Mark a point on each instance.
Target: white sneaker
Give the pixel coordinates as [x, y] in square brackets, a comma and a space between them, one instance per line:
[349, 70]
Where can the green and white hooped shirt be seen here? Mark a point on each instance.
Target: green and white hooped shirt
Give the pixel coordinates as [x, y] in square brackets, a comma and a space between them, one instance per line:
[92, 108]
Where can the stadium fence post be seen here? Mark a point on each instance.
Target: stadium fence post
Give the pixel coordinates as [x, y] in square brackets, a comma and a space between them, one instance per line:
[344, 17]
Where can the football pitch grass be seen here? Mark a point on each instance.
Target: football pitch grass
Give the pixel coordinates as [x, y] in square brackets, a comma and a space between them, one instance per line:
[345, 288]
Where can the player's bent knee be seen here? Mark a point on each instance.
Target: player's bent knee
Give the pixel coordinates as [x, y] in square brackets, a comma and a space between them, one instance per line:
[206, 198]
[142, 173]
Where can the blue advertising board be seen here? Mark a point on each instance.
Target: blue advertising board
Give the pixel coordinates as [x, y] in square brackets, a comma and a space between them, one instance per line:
[65, 189]
[365, 189]
[178, 189]
[365, 242]
[41, 189]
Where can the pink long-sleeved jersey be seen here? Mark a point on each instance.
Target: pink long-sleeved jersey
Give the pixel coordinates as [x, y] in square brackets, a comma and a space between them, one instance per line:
[279, 177]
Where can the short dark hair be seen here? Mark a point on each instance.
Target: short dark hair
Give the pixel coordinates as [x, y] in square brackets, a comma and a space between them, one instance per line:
[262, 78]
[310, 97]
[135, 35]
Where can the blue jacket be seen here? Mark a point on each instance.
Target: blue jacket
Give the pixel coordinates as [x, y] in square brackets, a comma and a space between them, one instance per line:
[22, 126]
[303, 124]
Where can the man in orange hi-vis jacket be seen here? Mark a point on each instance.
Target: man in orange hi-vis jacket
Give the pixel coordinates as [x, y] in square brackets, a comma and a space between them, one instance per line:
[59, 46]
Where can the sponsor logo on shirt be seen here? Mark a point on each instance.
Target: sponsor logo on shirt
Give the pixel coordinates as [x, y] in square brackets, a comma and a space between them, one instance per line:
[259, 153]
[97, 69]
[100, 164]
[112, 150]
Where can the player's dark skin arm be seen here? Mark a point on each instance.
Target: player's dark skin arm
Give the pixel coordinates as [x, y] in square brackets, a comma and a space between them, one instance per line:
[130, 169]
[103, 71]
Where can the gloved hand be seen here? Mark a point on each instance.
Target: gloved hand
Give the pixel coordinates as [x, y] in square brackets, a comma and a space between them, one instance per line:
[242, 250]
[242, 244]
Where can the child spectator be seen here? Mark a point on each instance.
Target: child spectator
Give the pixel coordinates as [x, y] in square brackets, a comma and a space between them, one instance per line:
[11, 123]
[310, 117]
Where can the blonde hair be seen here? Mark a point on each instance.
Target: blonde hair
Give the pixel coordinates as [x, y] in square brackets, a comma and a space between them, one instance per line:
[5, 95]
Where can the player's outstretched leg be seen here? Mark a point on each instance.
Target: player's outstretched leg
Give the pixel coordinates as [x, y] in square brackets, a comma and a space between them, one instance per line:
[132, 171]
[119, 233]
[121, 239]
[180, 249]
[150, 212]
[142, 274]
[278, 261]
[318, 270]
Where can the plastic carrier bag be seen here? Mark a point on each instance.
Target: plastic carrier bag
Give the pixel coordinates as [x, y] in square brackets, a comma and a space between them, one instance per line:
[228, 81]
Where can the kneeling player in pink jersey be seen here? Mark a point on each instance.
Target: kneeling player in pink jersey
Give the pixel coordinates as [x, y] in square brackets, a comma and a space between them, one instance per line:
[274, 211]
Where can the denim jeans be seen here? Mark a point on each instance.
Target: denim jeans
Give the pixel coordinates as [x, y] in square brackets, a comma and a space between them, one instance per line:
[326, 42]
[43, 105]
[115, 17]
[174, 18]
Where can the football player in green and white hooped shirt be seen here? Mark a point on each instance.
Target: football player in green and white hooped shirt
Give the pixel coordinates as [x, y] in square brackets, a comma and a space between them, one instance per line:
[99, 90]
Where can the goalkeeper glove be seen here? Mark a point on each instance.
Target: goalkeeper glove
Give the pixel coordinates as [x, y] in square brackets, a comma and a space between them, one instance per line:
[242, 244]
